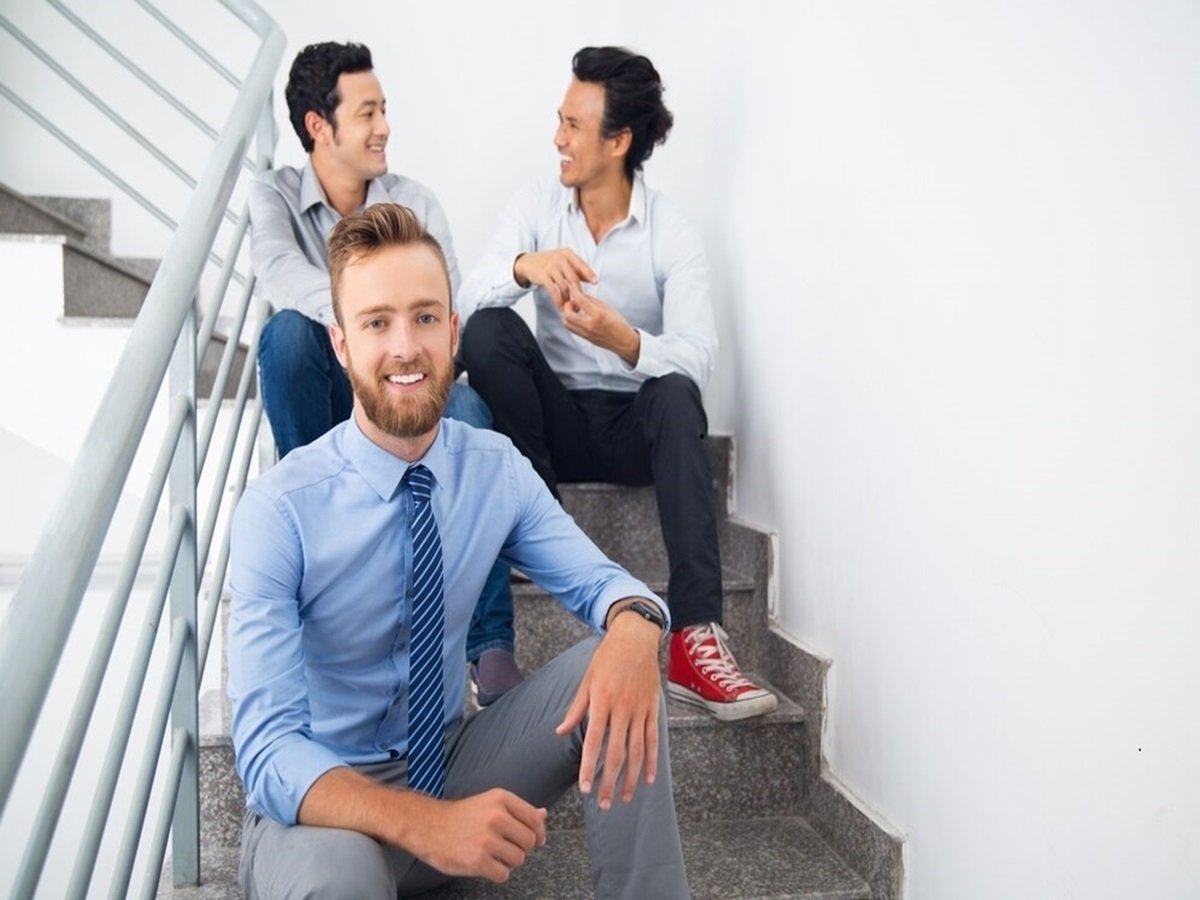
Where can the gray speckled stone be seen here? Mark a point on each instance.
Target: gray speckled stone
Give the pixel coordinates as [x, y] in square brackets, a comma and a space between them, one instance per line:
[218, 876]
[222, 798]
[93, 215]
[545, 629]
[747, 859]
[868, 845]
[20, 214]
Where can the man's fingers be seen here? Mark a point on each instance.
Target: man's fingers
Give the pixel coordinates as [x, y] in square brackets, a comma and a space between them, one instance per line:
[593, 740]
[618, 730]
[531, 818]
[576, 711]
[633, 760]
[652, 747]
[580, 268]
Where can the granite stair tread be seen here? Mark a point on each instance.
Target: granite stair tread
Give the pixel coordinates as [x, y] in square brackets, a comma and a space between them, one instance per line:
[744, 859]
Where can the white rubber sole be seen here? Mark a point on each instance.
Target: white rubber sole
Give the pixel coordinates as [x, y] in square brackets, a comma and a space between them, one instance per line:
[755, 705]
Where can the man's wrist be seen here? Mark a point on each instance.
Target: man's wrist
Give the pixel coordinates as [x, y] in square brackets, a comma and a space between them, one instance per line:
[521, 282]
[637, 606]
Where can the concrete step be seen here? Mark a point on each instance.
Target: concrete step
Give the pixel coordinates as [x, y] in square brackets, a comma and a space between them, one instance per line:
[759, 858]
[98, 286]
[720, 770]
[93, 214]
[20, 214]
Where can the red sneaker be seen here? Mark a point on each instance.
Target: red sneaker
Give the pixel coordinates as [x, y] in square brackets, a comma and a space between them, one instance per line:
[701, 671]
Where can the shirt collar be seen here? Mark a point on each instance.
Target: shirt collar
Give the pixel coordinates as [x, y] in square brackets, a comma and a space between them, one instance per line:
[311, 192]
[637, 201]
[384, 471]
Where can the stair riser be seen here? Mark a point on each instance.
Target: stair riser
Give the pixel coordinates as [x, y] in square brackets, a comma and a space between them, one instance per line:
[729, 771]
[545, 629]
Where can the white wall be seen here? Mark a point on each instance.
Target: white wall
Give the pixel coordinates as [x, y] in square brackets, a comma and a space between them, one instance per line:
[956, 272]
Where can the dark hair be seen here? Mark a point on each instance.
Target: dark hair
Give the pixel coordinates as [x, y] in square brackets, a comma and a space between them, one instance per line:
[632, 99]
[365, 233]
[312, 82]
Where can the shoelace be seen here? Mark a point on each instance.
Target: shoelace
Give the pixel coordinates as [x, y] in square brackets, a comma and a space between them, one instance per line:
[706, 644]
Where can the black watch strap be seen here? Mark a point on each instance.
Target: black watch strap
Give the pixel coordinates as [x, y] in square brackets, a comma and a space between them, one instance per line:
[647, 611]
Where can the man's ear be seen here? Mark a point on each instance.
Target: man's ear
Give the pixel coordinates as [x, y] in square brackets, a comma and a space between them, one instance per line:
[621, 142]
[317, 126]
[454, 334]
[337, 337]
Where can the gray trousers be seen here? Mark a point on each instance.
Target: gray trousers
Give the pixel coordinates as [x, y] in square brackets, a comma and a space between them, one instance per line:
[635, 847]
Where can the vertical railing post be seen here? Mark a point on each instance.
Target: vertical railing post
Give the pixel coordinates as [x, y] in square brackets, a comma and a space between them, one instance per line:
[185, 710]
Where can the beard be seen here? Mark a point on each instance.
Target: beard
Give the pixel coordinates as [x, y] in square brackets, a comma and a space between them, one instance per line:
[401, 417]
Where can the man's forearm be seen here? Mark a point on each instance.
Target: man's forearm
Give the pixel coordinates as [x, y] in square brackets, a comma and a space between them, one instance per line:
[344, 798]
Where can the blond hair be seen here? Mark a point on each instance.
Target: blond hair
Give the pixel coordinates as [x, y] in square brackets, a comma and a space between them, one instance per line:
[365, 233]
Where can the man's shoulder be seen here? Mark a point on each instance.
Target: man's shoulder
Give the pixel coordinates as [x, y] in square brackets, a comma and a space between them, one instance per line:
[284, 178]
[406, 191]
[305, 467]
[463, 438]
[662, 210]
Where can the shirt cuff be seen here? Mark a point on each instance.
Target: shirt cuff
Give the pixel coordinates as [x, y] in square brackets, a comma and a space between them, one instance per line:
[293, 769]
[623, 589]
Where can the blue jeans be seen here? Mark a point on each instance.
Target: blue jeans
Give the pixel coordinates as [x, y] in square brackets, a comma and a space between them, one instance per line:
[305, 393]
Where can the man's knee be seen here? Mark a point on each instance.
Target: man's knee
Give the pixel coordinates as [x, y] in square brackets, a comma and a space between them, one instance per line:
[465, 405]
[673, 400]
[489, 331]
[289, 338]
[327, 863]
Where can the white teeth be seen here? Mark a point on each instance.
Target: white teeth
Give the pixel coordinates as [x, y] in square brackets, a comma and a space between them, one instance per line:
[406, 379]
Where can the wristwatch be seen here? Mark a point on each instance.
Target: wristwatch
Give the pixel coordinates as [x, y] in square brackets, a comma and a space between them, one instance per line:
[647, 611]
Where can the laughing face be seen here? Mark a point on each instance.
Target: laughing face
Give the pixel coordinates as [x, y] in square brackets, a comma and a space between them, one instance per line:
[585, 157]
[356, 140]
[397, 342]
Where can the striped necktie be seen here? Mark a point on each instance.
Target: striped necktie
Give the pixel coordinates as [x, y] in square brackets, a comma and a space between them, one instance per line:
[426, 755]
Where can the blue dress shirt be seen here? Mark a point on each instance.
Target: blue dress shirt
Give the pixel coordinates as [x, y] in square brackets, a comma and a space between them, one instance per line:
[321, 579]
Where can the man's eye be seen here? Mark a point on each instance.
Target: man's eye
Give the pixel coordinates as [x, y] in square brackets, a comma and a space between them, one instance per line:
[427, 318]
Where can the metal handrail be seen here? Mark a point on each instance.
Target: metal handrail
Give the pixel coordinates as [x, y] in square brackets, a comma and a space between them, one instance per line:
[35, 629]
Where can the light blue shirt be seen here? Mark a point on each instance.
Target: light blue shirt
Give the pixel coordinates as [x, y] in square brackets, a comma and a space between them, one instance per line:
[321, 581]
[651, 267]
[290, 221]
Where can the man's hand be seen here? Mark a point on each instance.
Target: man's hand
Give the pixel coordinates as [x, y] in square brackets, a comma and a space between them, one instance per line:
[594, 320]
[555, 270]
[620, 695]
[484, 836]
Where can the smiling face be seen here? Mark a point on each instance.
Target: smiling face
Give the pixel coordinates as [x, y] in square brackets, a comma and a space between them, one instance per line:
[586, 157]
[354, 144]
[397, 342]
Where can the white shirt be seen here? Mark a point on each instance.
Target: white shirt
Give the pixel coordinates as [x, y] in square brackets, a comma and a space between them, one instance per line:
[651, 267]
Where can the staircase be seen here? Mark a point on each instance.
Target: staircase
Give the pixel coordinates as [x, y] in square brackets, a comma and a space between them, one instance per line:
[753, 807]
[98, 287]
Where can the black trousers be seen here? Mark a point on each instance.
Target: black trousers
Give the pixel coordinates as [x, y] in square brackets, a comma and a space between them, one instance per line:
[652, 436]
